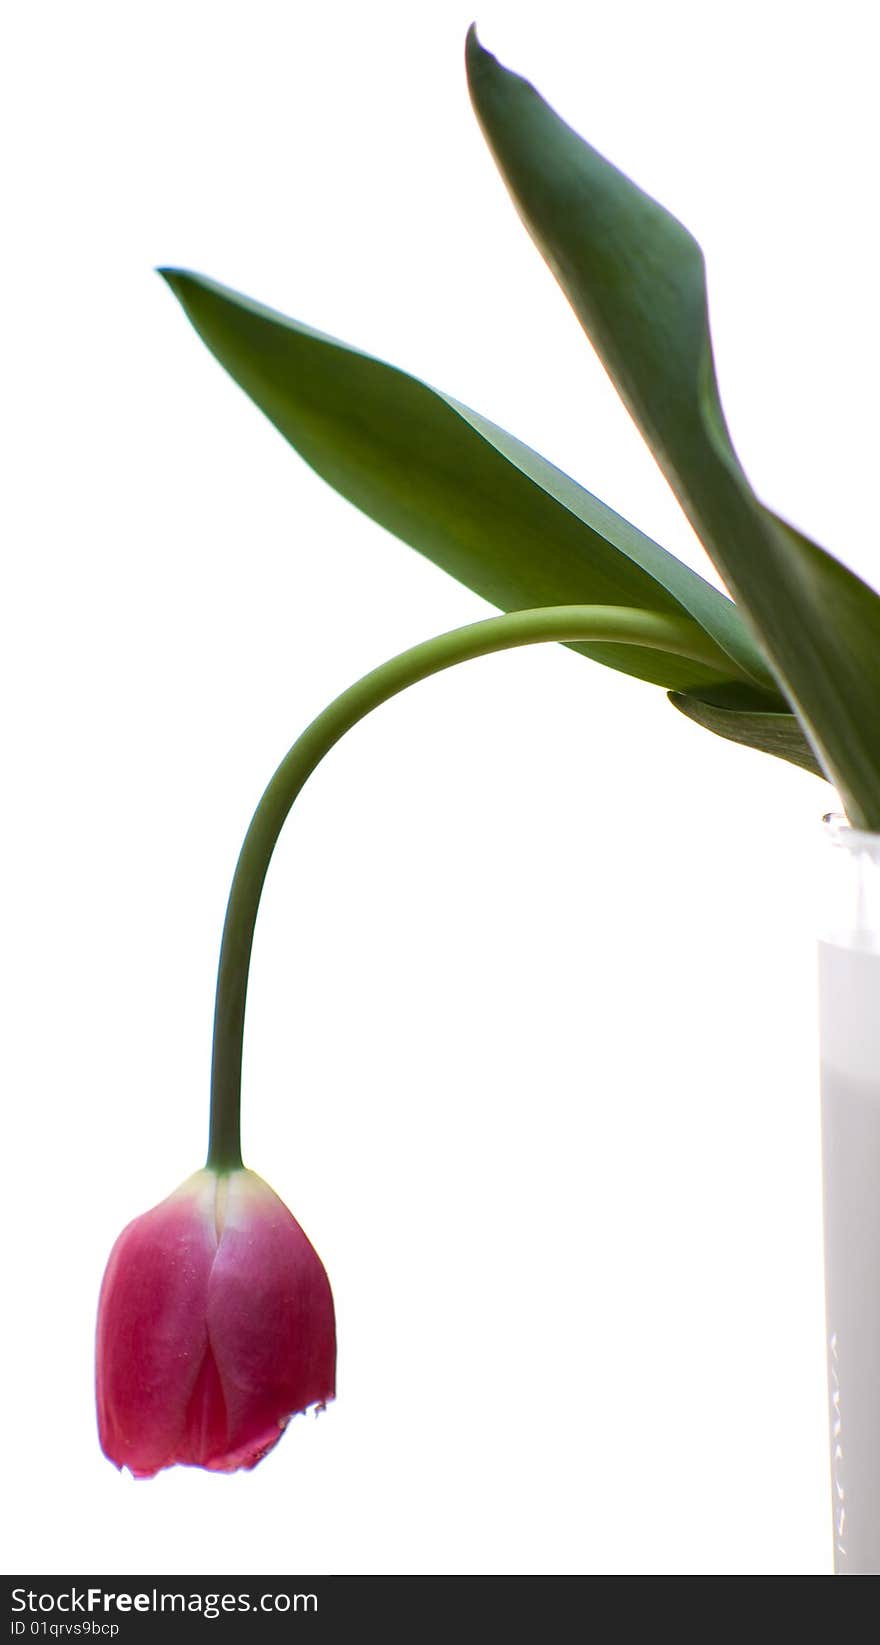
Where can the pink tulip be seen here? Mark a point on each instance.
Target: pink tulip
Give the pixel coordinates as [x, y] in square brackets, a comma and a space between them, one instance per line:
[215, 1326]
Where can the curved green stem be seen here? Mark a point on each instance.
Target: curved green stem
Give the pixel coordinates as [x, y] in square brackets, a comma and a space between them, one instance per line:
[618, 624]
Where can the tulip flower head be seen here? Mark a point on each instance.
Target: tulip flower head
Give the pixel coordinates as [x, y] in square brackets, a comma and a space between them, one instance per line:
[215, 1326]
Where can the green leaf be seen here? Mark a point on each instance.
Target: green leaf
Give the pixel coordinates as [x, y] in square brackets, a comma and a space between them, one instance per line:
[635, 278]
[745, 718]
[476, 501]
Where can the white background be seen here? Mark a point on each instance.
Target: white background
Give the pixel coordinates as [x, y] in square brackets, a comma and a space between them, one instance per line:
[530, 1047]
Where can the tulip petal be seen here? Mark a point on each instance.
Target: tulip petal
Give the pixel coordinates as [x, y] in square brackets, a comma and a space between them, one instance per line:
[270, 1321]
[152, 1339]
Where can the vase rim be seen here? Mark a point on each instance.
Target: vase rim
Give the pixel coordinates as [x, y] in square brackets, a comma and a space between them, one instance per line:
[841, 833]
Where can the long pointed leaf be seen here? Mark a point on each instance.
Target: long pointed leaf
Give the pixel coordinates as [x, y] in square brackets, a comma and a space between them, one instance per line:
[475, 500]
[635, 278]
[764, 728]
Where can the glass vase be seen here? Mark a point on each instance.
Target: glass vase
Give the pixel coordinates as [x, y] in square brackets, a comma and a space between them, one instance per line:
[849, 1014]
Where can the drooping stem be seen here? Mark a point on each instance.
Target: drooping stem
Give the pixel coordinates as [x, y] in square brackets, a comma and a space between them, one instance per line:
[617, 624]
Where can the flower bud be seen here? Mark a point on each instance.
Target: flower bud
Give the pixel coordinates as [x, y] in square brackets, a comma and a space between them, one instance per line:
[215, 1326]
